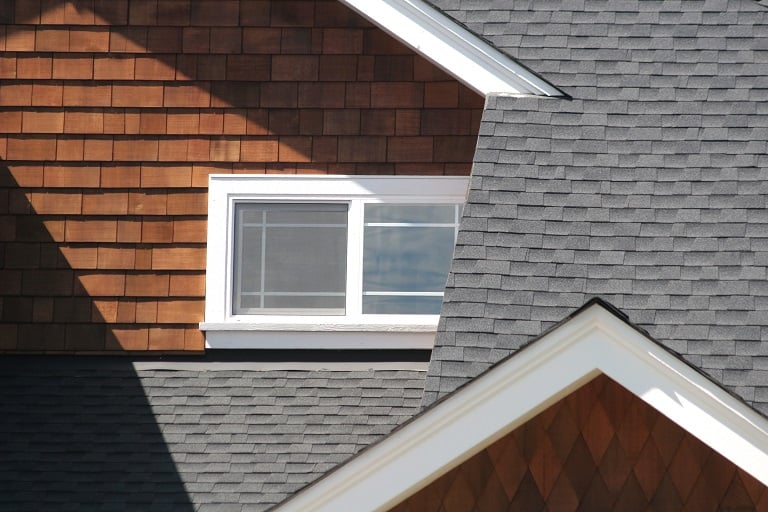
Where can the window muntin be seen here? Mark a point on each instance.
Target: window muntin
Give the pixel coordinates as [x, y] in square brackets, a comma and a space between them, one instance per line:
[289, 258]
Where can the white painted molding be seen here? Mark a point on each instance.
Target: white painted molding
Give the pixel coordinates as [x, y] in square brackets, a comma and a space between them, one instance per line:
[449, 45]
[317, 332]
[594, 341]
[325, 340]
[309, 324]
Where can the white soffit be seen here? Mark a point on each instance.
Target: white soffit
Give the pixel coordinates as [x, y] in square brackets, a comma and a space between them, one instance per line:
[454, 48]
[592, 342]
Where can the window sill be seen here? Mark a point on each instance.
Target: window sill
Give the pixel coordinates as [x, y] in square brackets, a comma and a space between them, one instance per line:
[306, 334]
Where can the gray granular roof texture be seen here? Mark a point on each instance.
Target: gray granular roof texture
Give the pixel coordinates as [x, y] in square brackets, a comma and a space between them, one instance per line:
[649, 188]
[106, 437]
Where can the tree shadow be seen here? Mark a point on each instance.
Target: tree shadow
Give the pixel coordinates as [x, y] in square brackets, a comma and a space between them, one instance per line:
[291, 103]
[43, 306]
[75, 434]
[79, 434]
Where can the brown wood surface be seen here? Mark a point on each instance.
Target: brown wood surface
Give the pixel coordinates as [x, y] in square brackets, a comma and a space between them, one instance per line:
[114, 112]
[601, 448]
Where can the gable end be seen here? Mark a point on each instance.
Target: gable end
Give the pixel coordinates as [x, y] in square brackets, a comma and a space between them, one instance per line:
[592, 342]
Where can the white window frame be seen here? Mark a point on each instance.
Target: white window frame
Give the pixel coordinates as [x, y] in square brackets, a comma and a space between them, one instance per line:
[223, 329]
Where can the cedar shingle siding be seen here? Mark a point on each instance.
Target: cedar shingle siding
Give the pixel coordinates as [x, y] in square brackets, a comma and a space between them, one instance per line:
[600, 448]
[113, 113]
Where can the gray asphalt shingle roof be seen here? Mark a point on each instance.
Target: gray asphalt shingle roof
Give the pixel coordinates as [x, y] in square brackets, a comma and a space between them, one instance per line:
[649, 188]
[100, 435]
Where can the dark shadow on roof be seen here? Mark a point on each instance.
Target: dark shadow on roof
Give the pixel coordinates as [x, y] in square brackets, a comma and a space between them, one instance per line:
[75, 438]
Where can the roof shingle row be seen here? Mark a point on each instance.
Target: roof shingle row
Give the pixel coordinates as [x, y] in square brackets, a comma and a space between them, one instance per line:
[648, 188]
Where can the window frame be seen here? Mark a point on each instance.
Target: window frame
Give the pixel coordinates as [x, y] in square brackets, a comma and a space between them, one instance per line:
[224, 329]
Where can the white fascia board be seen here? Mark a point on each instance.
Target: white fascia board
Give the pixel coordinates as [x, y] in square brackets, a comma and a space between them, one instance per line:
[458, 51]
[593, 342]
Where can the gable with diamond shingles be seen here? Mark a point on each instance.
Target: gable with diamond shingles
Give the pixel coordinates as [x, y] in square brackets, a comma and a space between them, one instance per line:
[601, 448]
[592, 353]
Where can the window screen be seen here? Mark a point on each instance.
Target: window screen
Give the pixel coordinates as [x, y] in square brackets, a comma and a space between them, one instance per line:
[290, 258]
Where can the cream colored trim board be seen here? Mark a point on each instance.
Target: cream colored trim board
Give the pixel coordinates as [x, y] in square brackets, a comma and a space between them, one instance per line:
[592, 342]
[458, 51]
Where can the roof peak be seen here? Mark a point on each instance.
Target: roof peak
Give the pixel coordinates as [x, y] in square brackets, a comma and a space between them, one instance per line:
[592, 342]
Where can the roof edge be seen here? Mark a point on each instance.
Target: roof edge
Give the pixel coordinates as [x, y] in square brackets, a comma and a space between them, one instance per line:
[451, 46]
[593, 340]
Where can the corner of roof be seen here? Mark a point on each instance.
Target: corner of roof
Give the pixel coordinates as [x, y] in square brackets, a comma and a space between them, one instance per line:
[449, 44]
[620, 315]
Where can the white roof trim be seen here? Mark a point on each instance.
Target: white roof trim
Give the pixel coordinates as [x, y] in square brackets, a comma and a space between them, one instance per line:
[452, 47]
[592, 342]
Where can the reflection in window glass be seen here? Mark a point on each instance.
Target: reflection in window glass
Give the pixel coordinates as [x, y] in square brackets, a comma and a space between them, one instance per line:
[406, 259]
[290, 258]
[407, 252]
[417, 213]
[401, 304]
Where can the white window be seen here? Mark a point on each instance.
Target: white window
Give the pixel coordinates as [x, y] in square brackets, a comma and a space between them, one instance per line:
[328, 261]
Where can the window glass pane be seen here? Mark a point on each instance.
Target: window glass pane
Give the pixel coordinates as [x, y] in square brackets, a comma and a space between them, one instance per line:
[311, 259]
[307, 214]
[407, 252]
[290, 258]
[308, 302]
[430, 213]
[250, 301]
[400, 305]
[250, 273]
[412, 259]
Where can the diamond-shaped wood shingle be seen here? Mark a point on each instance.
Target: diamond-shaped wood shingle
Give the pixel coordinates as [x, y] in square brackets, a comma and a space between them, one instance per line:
[600, 448]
